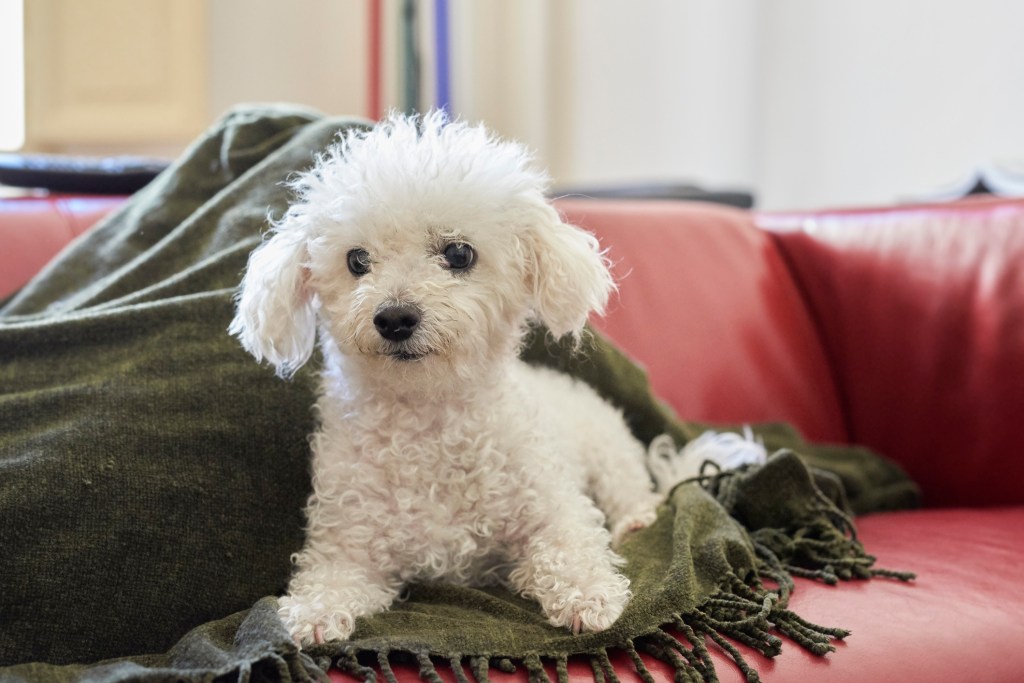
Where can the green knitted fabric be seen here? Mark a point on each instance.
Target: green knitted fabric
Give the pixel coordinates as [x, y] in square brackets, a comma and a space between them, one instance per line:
[152, 475]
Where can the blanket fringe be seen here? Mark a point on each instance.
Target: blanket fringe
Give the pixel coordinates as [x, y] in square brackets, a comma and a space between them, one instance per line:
[602, 667]
[736, 614]
[685, 669]
[821, 544]
[741, 612]
[695, 661]
[638, 663]
[562, 668]
[535, 669]
[455, 664]
[427, 670]
[348, 662]
[820, 550]
[385, 667]
[480, 668]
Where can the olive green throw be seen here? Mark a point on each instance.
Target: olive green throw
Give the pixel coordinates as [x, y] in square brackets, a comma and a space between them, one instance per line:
[152, 475]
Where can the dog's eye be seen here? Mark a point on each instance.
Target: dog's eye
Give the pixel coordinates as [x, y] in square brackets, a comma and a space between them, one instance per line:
[359, 262]
[460, 256]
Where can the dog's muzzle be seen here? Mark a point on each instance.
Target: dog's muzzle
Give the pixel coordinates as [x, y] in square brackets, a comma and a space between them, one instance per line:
[397, 322]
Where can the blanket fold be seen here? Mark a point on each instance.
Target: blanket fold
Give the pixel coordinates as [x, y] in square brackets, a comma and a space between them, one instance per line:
[152, 476]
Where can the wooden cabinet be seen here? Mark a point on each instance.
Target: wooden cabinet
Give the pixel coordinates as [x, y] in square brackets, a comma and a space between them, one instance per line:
[114, 72]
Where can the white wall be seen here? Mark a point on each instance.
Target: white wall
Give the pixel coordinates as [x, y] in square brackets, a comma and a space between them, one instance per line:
[667, 90]
[808, 103]
[884, 100]
[311, 52]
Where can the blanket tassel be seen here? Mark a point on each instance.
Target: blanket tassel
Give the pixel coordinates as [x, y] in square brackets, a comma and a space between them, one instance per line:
[739, 613]
[349, 663]
[455, 664]
[562, 668]
[684, 670]
[638, 662]
[602, 667]
[427, 670]
[813, 638]
[694, 665]
[480, 668]
[690, 664]
[383, 661]
[535, 669]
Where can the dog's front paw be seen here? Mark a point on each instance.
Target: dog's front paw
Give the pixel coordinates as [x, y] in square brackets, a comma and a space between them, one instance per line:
[591, 608]
[311, 622]
[599, 615]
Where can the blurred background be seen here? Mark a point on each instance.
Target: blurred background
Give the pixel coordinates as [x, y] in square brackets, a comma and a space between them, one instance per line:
[801, 103]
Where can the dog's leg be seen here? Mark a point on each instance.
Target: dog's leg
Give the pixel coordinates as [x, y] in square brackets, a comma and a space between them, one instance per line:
[598, 443]
[617, 477]
[325, 598]
[567, 565]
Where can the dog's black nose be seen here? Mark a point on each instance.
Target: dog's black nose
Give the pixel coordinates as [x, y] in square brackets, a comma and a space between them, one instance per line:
[397, 322]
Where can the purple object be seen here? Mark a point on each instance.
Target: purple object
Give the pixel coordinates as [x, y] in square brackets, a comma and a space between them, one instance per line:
[442, 56]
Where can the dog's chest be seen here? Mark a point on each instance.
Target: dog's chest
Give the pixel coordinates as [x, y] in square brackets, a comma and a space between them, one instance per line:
[440, 496]
[446, 474]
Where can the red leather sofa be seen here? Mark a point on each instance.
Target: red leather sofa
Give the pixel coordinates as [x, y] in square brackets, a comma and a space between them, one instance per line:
[898, 328]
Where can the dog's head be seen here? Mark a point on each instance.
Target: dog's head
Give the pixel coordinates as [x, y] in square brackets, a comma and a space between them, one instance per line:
[420, 242]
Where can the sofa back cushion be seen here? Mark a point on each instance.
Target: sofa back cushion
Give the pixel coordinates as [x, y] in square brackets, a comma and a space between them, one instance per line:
[921, 311]
[34, 229]
[707, 305]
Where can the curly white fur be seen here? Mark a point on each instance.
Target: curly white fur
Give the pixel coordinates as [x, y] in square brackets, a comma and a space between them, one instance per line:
[441, 455]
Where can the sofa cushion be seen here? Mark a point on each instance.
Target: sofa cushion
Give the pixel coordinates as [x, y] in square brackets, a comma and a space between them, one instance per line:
[921, 312]
[34, 229]
[709, 308]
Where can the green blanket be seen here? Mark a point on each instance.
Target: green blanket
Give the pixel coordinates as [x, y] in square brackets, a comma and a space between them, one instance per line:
[152, 476]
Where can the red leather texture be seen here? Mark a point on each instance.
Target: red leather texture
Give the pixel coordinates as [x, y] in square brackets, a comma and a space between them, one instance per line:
[707, 305]
[901, 328]
[921, 314]
[959, 621]
[34, 229]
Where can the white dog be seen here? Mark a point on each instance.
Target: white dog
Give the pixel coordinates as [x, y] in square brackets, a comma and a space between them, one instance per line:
[421, 251]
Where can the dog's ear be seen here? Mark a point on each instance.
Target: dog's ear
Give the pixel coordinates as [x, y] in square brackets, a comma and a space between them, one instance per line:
[275, 317]
[568, 274]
